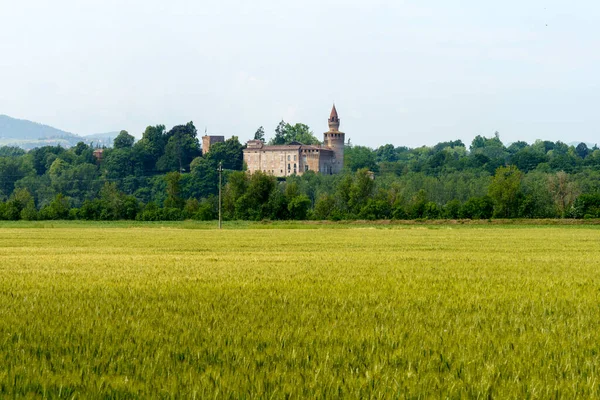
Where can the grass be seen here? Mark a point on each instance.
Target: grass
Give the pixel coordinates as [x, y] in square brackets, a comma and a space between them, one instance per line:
[237, 225]
[137, 310]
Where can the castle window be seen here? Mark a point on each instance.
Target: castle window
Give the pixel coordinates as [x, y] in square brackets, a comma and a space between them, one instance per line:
[288, 157]
[294, 158]
[306, 168]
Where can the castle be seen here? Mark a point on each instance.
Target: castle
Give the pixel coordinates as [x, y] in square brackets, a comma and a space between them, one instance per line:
[297, 158]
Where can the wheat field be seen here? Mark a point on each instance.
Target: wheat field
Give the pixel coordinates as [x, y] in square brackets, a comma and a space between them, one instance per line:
[149, 311]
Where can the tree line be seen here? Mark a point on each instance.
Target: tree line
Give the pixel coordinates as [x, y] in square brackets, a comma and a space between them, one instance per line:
[165, 176]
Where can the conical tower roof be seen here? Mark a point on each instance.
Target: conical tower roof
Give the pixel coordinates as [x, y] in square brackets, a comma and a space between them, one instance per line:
[334, 120]
[333, 114]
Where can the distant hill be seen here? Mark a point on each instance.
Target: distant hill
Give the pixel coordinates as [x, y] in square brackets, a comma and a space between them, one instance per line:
[28, 135]
[102, 139]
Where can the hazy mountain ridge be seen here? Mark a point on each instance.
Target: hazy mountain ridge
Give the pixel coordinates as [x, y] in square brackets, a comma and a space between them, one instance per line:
[22, 129]
[28, 135]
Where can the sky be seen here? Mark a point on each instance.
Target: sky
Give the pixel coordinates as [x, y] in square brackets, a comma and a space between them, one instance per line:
[410, 73]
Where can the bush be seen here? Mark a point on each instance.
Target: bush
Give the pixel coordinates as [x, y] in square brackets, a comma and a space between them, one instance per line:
[477, 208]
[586, 204]
[431, 210]
[452, 209]
[12, 211]
[399, 212]
[30, 213]
[57, 209]
[172, 214]
[130, 208]
[206, 211]
[375, 209]
[74, 213]
[324, 207]
[298, 207]
[191, 207]
[151, 213]
[90, 210]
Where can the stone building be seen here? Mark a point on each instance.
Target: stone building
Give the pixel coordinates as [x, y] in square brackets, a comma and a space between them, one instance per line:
[297, 158]
[208, 141]
[98, 155]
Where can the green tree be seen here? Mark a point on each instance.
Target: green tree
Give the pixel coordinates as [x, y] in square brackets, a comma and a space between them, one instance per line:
[582, 150]
[300, 133]
[118, 163]
[11, 151]
[587, 206]
[452, 209]
[111, 202]
[174, 199]
[204, 178]
[123, 140]
[229, 152]
[181, 148]
[504, 190]
[280, 136]
[286, 134]
[207, 210]
[359, 157]
[528, 158]
[43, 157]
[235, 188]
[361, 190]
[57, 209]
[260, 134]
[377, 207]
[256, 202]
[298, 207]
[325, 207]
[386, 153]
[516, 146]
[30, 212]
[477, 208]
[564, 192]
[12, 169]
[151, 147]
[492, 148]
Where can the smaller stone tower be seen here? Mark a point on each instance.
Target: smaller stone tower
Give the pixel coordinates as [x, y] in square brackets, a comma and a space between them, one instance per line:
[208, 141]
[335, 139]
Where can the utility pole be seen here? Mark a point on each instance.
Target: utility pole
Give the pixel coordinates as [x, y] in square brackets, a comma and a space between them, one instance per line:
[220, 169]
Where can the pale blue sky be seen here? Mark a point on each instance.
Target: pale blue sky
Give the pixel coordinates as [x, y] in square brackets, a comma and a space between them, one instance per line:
[403, 72]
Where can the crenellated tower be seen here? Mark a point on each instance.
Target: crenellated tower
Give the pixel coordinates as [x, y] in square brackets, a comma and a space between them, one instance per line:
[334, 139]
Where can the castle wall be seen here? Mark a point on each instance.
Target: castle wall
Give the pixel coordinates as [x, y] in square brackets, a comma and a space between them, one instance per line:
[273, 160]
[282, 161]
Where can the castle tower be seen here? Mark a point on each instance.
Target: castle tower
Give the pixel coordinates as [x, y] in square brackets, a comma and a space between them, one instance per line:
[334, 139]
[208, 141]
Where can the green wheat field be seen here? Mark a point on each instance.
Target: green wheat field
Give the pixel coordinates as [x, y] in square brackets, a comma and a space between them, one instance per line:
[160, 311]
